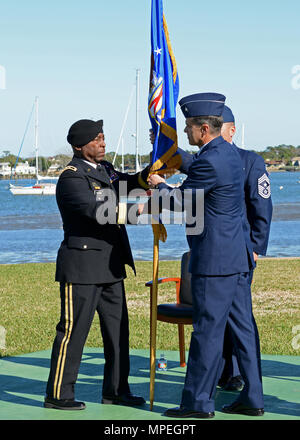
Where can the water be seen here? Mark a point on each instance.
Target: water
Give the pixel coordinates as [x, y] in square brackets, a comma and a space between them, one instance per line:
[31, 230]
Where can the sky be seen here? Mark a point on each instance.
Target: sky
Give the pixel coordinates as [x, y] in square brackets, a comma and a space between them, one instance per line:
[80, 59]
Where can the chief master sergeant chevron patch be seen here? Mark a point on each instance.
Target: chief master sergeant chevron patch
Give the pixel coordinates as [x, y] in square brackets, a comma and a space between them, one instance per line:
[264, 188]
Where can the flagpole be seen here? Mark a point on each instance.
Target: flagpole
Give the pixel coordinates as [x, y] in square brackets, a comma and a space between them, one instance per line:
[153, 312]
[163, 76]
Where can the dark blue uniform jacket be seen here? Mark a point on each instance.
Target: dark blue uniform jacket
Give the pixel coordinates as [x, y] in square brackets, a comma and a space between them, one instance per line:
[222, 248]
[258, 207]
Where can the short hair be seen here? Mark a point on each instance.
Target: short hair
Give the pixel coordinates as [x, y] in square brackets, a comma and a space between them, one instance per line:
[76, 152]
[214, 122]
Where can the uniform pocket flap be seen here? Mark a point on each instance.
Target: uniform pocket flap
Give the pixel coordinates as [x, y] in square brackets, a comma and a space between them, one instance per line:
[86, 243]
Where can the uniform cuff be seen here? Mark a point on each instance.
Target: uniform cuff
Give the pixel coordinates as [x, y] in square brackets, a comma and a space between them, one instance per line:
[142, 178]
[260, 251]
[122, 213]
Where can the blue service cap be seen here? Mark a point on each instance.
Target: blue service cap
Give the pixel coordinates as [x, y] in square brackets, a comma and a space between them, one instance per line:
[202, 104]
[227, 115]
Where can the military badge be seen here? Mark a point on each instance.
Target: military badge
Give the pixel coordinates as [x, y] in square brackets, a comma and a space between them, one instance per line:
[96, 185]
[113, 176]
[97, 190]
[99, 195]
[264, 188]
[111, 173]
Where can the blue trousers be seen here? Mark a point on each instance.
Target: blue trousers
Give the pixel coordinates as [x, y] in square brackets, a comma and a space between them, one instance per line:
[231, 368]
[220, 301]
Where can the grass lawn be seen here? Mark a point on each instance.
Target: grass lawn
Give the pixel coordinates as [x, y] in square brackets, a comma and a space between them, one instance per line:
[30, 306]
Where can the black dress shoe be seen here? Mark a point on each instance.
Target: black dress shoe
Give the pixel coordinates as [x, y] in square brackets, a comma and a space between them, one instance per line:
[222, 382]
[181, 412]
[68, 404]
[124, 399]
[234, 384]
[239, 408]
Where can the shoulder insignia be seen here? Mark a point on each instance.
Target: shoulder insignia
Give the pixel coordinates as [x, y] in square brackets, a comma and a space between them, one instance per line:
[69, 167]
[264, 188]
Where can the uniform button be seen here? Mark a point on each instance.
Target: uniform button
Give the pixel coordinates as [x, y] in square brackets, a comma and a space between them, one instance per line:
[84, 246]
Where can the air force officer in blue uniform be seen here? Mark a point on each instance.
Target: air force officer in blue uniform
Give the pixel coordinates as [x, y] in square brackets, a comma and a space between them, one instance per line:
[258, 202]
[220, 262]
[258, 214]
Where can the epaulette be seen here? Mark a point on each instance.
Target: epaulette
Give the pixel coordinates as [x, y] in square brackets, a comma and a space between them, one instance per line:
[69, 167]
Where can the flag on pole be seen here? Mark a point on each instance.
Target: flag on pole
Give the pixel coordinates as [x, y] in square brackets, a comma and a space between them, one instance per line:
[163, 95]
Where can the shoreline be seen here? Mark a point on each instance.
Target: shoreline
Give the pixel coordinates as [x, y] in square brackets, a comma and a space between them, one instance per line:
[148, 261]
[33, 177]
[279, 258]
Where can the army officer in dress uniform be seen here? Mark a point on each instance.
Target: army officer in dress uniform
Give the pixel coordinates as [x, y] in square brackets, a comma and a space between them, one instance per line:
[91, 269]
[221, 258]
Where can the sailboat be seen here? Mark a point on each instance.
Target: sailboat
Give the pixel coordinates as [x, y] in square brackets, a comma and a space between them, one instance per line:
[38, 188]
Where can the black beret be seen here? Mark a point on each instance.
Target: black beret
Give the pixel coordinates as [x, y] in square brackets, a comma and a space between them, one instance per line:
[84, 131]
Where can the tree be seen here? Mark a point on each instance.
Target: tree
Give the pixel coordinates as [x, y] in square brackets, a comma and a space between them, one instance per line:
[10, 158]
[62, 159]
[283, 153]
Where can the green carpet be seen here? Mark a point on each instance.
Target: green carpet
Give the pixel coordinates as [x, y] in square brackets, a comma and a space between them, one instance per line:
[23, 382]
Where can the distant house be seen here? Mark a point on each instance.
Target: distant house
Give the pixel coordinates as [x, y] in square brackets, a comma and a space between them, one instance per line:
[273, 163]
[5, 169]
[53, 169]
[24, 169]
[296, 161]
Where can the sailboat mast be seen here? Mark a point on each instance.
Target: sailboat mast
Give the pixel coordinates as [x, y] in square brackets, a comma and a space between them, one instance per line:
[137, 166]
[124, 122]
[36, 126]
[243, 135]
[122, 155]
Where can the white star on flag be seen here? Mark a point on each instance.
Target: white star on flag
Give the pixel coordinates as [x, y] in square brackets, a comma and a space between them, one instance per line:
[158, 51]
